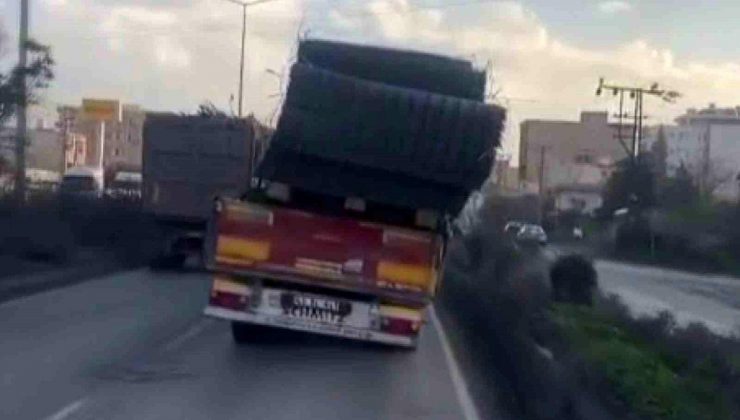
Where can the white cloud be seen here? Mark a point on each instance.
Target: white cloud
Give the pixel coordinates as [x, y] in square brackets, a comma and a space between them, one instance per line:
[173, 57]
[544, 76]
[397, 22]
[167, 56]
[55, 3]
[614, 6]
[121, 16]
[170, 53]
[341, 21]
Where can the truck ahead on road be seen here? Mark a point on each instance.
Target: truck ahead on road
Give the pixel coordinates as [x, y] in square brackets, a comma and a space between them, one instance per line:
[345, 231]
[189, 160]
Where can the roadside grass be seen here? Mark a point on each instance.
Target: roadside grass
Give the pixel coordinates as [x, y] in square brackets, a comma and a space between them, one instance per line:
[655, 369]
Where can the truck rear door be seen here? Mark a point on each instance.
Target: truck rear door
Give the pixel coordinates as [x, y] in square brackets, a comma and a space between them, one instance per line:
[336, 252]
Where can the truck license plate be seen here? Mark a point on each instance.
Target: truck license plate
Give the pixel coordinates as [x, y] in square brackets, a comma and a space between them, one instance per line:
[314, 308]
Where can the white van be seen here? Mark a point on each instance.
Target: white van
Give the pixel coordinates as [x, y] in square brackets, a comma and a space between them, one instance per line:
[82, 181]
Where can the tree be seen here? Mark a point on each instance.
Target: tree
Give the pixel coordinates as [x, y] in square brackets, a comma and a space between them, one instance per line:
[679, 190]
[208, 110]
[631, 184]
[659, 151]
[38, 73]
[717, 173]
[4, 165]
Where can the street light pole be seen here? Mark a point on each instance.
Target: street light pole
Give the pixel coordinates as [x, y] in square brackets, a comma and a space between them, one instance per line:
[20, 146]
[244, 6]
[241, 63]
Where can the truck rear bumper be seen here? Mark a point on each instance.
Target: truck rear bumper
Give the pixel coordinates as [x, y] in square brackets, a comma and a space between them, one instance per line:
[309, 326]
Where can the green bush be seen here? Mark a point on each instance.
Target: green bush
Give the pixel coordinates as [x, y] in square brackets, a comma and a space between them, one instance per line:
[653, 367]
[573, 279]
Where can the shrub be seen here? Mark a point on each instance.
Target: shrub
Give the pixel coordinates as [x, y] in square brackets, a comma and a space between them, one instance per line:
[650, 365]
[573, 279]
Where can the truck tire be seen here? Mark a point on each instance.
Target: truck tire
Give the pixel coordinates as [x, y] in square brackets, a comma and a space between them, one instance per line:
[168, 262]
[245, 333]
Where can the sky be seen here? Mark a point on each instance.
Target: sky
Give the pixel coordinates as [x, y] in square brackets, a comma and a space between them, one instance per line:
[545, 56]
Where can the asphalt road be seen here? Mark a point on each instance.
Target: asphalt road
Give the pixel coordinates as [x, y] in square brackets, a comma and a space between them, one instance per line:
[712, 300]
[135, 346]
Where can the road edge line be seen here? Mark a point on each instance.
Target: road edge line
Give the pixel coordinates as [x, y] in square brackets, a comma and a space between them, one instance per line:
[192, 331]
[470, 411]
[68, 410]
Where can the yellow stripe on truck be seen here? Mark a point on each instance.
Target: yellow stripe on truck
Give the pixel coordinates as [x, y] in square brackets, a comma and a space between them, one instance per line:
[400, 312]
[224, 285]
[417, 275]
[231, 248]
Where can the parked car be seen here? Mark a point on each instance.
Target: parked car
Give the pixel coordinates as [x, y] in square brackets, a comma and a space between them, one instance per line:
[532, 233]
[125, 186]
[577, 233]
[513, 227]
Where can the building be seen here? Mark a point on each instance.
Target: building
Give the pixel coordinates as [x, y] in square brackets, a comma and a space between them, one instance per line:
[75, 144]
[115, 128]
[505, 176]
[44, 149]
[584, 199]
[557, 154]
[707, 143]
[76, 150]
[124, 139]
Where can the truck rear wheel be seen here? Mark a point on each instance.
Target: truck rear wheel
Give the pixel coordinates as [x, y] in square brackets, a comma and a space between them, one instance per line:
[168, 262]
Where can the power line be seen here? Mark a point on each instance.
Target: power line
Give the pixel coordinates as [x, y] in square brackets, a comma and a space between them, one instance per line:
[636, 93]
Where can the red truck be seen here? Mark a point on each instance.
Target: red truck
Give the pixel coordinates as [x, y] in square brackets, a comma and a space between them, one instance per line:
[286, 267]
[344, 233]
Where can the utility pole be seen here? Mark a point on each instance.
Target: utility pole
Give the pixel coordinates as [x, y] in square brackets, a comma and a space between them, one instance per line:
[635, 131]
[20, 146]
[636, 93]
[244, 6]
[542, 171]
[541, 181]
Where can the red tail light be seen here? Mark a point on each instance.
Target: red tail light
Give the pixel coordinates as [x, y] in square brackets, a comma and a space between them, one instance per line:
[399, 326]
[228, 300]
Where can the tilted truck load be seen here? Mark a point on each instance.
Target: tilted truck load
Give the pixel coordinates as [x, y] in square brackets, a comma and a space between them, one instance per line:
[346, 234]
[420, 140]
[409, 69]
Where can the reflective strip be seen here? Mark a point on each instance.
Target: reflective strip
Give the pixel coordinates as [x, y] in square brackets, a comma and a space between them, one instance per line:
[417, 275]
[249, 213]
[238, 248]
[233, 261]
[400, 312]
[391, 236]
[223, 285]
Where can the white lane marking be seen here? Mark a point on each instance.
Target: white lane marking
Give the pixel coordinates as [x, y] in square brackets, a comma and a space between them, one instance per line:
[68, 410]
[470, 412]
[191, 332]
